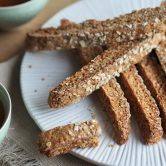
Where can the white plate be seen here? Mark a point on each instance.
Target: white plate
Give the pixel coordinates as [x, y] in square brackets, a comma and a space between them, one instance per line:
[43, 70]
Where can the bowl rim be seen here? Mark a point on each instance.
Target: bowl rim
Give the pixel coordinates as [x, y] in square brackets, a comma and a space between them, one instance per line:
[20, 5]
[9, 109]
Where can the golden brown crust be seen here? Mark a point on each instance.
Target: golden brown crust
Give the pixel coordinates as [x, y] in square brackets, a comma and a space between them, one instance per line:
[94, 33]
[143, 106]
[100, 70]
[155, 80]
[63, 139]
[113, 100]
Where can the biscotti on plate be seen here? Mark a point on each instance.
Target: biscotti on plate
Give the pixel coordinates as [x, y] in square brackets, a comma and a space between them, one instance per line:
[143, 106]
[63, 139]
[155, 79]
[116, 59]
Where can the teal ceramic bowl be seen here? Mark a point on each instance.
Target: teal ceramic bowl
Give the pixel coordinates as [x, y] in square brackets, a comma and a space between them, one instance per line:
[13, 16]
[6, 101]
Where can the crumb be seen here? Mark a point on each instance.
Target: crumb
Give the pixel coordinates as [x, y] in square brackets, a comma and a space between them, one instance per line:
[35, 90]
[42, 78]
[111, 145]
[30, 66]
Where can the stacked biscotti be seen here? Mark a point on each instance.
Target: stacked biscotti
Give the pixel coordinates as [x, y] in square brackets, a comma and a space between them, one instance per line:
[134, 43]
[124, 60]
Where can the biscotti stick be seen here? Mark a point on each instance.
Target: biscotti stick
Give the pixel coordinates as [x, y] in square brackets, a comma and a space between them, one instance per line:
[161, 53]
[100, 70]
[118, 109]
[143, 106]
[155, 80]
[136, 25]
[113, 100]
[63, 139]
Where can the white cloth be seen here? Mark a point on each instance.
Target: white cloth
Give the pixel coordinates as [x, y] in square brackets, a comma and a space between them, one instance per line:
[23, 131]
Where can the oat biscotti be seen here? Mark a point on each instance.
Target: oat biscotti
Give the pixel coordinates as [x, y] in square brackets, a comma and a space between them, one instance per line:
[100, 70]
[63, 139]
[155, 80]
[113, 100]
[136, 25]
[143, 106]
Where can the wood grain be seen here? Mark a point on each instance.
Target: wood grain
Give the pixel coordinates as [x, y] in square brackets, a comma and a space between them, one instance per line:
[12, 41]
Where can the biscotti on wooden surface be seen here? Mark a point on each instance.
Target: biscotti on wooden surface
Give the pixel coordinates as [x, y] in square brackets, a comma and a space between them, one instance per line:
[63, 139]
[154, 77]
[101, 69]
[113, 100]
[143, 106]
[133, 26]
